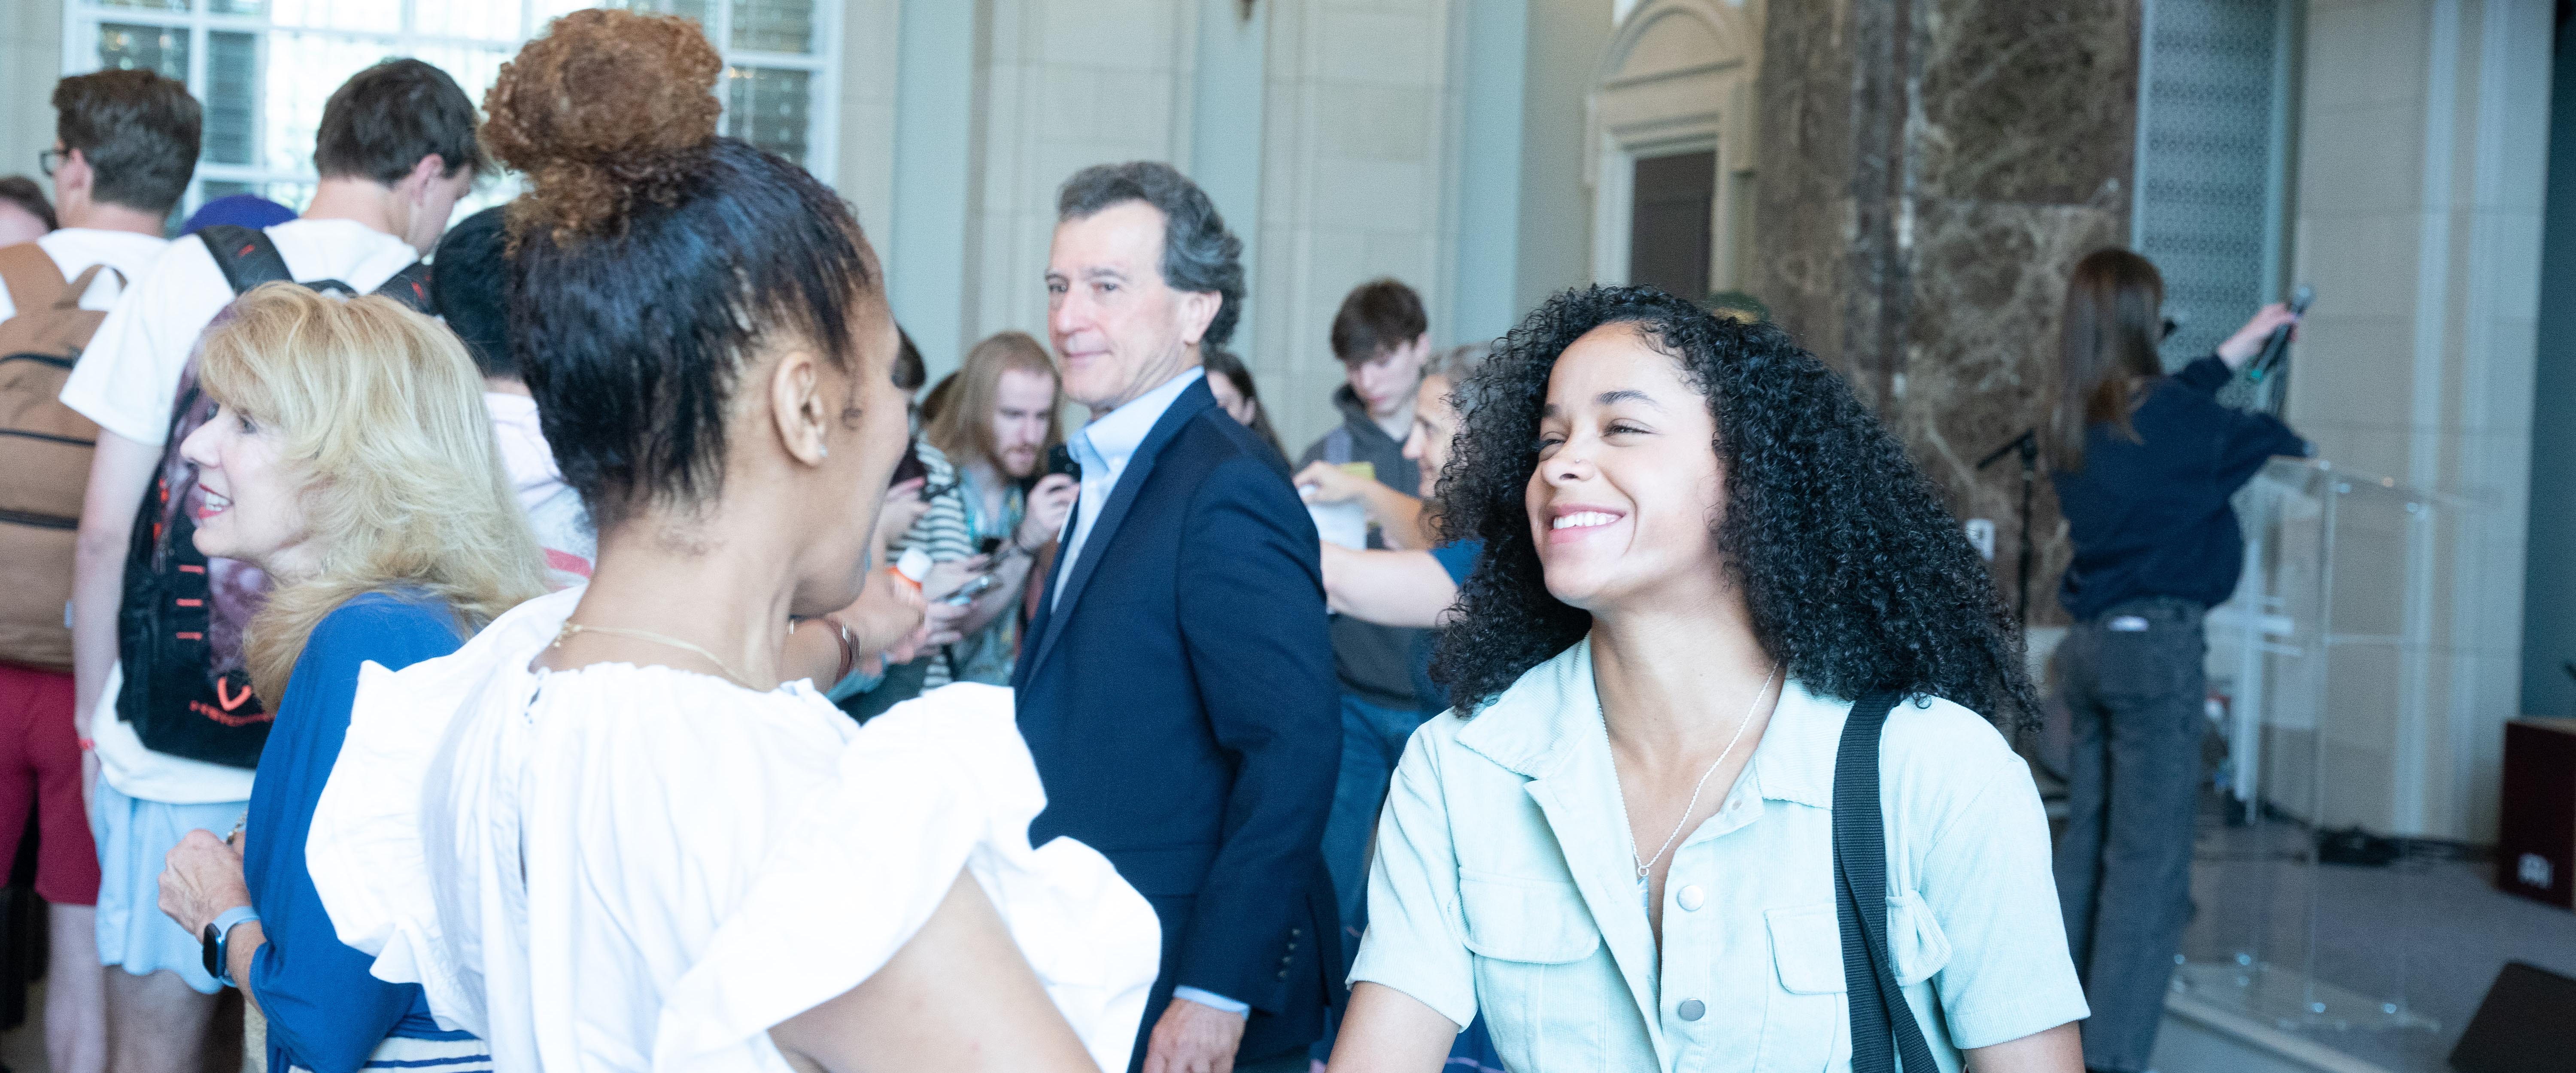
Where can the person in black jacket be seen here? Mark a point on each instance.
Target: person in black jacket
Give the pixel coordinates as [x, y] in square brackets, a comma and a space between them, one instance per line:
[2143, 464]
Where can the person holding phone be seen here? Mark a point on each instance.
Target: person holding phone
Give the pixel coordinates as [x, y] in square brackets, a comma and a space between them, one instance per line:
[994, 509]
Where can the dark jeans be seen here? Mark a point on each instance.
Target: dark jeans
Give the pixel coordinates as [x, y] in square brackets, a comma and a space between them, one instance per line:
[1373, 739]
[2133, 680]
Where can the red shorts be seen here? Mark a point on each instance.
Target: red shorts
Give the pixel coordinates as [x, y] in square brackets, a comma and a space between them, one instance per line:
[40, 768]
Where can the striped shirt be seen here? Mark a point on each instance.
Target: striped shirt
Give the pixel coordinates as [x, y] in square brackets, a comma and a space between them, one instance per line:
[951, 530]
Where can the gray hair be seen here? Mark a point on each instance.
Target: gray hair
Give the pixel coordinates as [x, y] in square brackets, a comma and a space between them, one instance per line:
[1458, 363]
[1199, 254]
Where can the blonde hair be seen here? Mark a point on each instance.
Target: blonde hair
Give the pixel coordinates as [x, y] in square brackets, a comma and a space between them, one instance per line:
[381, 412]
[963, 428]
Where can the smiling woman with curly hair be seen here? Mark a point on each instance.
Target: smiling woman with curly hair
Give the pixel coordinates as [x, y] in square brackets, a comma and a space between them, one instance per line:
[1618, 846]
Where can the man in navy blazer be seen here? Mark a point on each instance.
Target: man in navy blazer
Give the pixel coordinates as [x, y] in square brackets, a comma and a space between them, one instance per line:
[1176, 684]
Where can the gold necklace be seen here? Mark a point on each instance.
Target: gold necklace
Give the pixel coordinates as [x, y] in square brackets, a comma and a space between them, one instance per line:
[570, 628]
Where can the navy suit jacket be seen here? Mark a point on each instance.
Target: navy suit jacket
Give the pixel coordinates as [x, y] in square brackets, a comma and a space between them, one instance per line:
[1179, 700]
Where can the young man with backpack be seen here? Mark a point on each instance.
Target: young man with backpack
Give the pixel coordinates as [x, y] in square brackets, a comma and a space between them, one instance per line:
[156, 628]
[125, 144]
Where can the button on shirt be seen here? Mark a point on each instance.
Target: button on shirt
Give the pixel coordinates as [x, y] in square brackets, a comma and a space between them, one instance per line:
[1103, 448]
[1503, 885]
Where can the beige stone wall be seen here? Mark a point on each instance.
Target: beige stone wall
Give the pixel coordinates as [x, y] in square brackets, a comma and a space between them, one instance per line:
[1067, 84]
[1353, 181]
[864, 169]
[2422, 138]
[1354, 184]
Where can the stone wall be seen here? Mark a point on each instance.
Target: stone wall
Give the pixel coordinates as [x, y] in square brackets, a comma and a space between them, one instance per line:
[1931, 171]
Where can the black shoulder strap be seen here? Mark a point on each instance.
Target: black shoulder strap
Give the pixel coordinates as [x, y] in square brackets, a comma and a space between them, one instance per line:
[409, 286]
[248, 259]
[246, 256]
[1882, 1025]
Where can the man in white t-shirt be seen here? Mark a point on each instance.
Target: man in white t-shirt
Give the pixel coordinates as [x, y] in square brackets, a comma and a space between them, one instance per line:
[125, 144]
[395, 151]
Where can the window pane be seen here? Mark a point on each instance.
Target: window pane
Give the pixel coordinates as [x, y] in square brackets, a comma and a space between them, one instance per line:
[301, 72]
[382, 16]
[232, 97]
[488, 20]
[237, 7]
[773, 25]
[161, 49]
[701, 10]
[143, 5]
[293, 195]
[768, 107]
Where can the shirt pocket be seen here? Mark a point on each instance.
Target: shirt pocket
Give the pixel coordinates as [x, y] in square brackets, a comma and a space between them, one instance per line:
[1538, 977]
[1806, 1021]
[1808, 1024]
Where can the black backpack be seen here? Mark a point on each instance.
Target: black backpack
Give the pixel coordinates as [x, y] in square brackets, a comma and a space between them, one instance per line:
[179, 629]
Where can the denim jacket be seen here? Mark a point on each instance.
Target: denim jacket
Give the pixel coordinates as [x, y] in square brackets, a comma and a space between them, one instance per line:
[1504, 883]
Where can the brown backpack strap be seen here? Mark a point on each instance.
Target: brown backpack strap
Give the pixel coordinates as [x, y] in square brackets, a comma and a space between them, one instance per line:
[33, 281]
[80, 285]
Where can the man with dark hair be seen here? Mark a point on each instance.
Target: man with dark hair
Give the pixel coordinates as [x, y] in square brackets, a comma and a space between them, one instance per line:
[396, 150]
[25, 215]
[1175, 684]
[1381, 337]
[134, 133]
[125, 143]
[385, 120]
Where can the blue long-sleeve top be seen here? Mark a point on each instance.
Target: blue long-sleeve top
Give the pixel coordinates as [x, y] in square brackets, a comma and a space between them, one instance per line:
[2149, 516]
[325, 1012]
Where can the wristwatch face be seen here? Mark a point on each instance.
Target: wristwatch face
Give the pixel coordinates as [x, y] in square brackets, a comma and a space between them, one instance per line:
[214, 943]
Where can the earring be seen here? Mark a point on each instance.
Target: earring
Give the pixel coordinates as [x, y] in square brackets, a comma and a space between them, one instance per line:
[827, 452]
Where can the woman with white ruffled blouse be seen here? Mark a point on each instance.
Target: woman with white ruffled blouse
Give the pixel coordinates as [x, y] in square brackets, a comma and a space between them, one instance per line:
[618, 830]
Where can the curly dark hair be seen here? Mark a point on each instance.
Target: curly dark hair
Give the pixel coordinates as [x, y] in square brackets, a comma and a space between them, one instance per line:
[1858, 579]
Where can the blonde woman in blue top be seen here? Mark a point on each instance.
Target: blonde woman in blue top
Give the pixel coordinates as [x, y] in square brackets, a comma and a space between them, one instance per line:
[350, 458]
[1700, 549]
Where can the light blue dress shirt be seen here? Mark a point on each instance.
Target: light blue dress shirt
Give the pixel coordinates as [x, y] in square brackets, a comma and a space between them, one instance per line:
[1504, 885]
[1103, 448]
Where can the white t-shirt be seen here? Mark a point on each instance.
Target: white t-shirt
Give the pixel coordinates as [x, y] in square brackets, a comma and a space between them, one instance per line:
[128, 380]
[555, 511]
[74, 249]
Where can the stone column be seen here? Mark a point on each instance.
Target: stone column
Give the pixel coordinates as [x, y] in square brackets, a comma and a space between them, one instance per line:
[1931, 171]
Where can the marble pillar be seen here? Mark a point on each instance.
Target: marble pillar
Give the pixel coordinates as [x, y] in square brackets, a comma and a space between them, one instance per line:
[1931, 171]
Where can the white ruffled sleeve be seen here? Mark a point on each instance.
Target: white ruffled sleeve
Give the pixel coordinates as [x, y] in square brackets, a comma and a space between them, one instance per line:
[936, 784]
[374, 828]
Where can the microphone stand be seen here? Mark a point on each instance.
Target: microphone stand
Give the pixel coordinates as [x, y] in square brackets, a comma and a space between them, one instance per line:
[2027, 445]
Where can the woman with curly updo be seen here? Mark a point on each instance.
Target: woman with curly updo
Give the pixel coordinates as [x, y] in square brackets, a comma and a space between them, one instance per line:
[620, 830]
[1618, 845]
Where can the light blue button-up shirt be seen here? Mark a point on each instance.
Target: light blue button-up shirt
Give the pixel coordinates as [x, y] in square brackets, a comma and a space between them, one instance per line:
[1103, 448]
[1504, 884]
